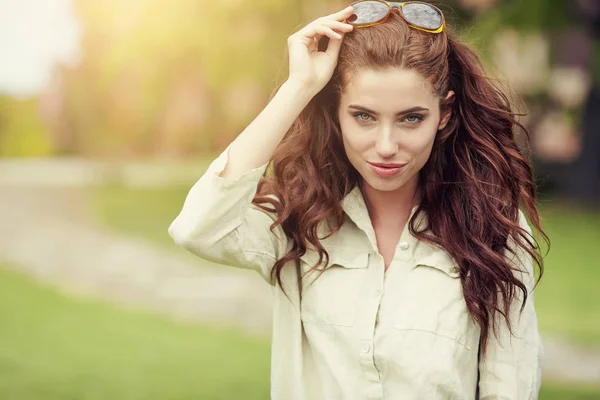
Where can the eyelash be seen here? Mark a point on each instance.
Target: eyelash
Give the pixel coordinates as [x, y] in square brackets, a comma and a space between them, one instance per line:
[419, 117]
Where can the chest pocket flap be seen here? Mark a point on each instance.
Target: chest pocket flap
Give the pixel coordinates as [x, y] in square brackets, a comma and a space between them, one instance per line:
[440, 260]
[338, 256]
[433, 306]
[330, 294]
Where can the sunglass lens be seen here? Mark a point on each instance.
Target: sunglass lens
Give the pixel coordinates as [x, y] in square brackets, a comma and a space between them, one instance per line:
[422, 15]
[367, 12]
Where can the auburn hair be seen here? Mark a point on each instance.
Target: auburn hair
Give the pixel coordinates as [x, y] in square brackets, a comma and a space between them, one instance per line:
[471, 187]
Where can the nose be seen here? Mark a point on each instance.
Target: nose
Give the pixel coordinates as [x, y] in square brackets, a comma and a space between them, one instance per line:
[386, 146]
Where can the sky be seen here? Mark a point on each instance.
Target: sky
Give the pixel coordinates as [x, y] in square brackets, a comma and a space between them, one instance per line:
[34, 36]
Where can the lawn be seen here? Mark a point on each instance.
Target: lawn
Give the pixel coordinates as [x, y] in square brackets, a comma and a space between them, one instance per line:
[567, 299]
[56, 347]
[144, 213]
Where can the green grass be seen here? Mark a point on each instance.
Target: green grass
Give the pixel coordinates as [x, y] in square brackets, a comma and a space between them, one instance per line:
[554, 391]
[57, 347]
[148, 212]
[567, 299]
[143, 213]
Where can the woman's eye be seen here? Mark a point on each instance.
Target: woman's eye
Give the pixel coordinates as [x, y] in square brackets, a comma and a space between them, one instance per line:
[358, 114]
[411, 119]
[414, 118]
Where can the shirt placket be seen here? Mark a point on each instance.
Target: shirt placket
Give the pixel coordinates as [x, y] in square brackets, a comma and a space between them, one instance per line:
[371, 293]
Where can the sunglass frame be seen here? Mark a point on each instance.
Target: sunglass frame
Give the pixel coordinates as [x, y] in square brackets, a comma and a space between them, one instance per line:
[399, 6]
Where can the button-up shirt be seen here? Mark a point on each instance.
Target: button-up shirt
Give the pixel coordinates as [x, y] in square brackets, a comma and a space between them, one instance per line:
[358, 331]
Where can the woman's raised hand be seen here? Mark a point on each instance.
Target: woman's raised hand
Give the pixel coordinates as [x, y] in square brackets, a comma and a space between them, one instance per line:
[309, 66]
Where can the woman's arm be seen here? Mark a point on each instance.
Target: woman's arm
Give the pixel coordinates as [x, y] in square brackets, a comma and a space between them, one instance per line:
[512, 369]
[255, 146]
[218, 221]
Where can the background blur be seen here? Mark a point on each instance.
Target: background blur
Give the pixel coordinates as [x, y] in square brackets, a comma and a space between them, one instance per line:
[110, 111]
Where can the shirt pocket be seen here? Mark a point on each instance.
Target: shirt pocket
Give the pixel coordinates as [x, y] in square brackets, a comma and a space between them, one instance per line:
[433, 302]
[330, 295]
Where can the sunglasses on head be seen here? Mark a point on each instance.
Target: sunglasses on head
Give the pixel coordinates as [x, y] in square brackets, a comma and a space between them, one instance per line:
[419, 15]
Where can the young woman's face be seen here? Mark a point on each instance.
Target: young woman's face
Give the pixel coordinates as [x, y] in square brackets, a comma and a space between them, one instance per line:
[389, 116]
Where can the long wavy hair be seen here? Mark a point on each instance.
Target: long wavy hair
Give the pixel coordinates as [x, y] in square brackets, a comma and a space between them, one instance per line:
[471, 187]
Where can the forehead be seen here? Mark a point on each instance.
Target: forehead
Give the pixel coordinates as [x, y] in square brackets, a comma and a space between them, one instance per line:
[389, 88]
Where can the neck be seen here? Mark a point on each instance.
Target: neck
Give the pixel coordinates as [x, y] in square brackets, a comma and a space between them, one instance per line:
[391, 208]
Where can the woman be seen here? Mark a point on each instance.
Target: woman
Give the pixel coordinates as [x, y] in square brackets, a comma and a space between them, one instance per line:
[390, 226]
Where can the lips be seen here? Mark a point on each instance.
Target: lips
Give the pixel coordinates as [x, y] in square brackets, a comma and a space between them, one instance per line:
[387, 165]
[384, 169]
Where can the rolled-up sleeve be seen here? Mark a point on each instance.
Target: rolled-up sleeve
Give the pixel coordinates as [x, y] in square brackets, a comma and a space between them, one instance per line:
[218, 221]
[512, 369]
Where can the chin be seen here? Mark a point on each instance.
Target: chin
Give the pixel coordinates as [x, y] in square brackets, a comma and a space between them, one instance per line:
[384, 185]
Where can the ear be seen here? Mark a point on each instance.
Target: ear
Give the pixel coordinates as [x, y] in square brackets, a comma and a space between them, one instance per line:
[446, 110]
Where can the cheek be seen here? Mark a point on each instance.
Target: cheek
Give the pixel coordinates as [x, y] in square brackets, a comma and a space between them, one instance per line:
[354, 140]
[420, 148]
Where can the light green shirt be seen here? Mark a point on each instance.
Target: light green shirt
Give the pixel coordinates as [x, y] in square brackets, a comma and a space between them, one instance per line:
[360, 332]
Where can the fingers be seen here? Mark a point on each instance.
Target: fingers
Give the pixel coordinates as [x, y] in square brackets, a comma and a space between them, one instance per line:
[340, 15]
[327, 26]
[333, 48]
[340, 26]
[327, 31]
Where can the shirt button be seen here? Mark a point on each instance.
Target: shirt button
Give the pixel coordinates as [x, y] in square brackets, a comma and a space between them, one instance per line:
[366, 348]
[378, 293]
[404, 245]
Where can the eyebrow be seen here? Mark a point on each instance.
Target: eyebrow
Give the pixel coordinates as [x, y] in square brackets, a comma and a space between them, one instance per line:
[408, 110]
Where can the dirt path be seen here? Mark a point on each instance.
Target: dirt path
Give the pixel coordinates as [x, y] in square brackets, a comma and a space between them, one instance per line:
[49, 234]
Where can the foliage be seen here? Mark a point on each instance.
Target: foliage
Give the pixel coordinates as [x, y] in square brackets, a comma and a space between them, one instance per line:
[186, 78]
[157, 76]
[22, 132]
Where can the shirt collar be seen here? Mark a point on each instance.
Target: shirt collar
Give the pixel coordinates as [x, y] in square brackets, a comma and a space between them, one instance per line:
[355, 207]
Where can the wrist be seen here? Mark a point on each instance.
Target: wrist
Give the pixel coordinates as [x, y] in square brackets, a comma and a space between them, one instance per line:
[299, 89]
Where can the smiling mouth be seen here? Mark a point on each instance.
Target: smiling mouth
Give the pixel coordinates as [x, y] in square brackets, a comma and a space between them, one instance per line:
[386, 171]
[387, 165]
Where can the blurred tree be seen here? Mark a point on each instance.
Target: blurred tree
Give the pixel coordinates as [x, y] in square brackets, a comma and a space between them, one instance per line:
[156, 79]
[584, 182]
[177, 79]
[22, 132]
